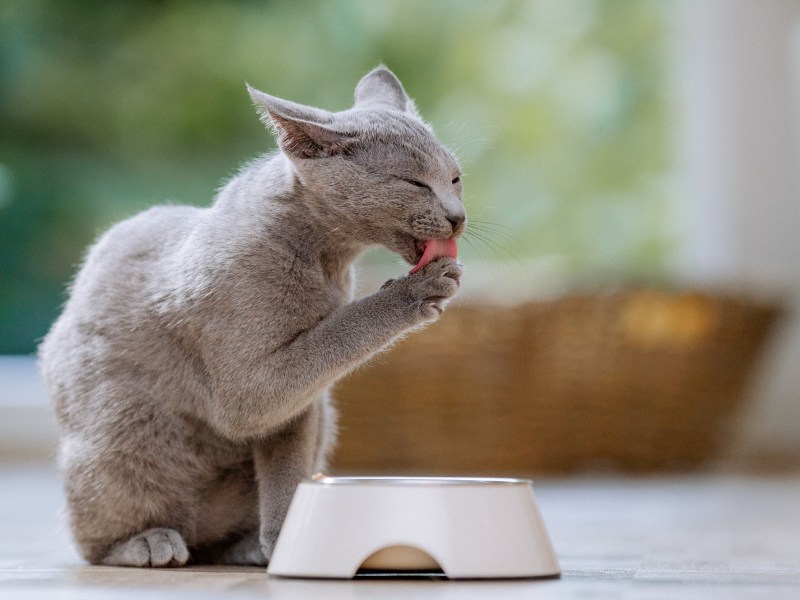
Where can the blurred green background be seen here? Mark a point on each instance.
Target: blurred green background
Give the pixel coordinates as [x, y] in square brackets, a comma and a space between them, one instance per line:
[559, 110]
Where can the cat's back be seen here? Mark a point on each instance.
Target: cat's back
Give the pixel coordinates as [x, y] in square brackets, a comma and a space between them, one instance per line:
[109, 294]
[120, 267]
[138, 241]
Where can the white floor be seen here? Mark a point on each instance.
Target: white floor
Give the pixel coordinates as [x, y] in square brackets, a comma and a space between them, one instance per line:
[688, 537]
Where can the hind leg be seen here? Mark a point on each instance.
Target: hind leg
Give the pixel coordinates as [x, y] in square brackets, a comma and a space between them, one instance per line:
[152, 548]
[134, 500]
[126, 511]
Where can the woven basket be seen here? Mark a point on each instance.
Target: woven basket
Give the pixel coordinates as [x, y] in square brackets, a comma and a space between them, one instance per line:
[640, 380]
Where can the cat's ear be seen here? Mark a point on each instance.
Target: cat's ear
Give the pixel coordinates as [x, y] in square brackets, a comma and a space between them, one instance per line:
[381, 87]
[302, 131]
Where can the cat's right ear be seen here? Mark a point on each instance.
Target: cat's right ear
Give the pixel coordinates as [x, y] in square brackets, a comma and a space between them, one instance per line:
[381, 87]
[302, 132]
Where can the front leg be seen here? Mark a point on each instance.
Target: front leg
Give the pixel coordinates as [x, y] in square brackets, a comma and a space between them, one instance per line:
[278, 382]
[281, 462]
[353, 333]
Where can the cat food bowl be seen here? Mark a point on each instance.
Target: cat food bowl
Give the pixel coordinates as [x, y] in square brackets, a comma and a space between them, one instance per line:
[459, 528]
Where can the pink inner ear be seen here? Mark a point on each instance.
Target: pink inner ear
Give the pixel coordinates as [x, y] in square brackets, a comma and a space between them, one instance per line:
[305, 139]
[436, 249]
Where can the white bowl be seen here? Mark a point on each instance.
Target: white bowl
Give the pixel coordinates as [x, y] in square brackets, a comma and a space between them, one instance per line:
[466, 527]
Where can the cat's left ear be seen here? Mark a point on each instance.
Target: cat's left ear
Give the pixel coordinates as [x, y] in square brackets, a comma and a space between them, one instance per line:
[381, 87]
[302, 131]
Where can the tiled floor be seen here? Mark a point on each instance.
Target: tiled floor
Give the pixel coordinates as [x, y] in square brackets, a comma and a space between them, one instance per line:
[688, 537]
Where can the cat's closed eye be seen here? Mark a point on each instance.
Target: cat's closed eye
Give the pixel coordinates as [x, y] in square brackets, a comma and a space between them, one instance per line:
[418, 184]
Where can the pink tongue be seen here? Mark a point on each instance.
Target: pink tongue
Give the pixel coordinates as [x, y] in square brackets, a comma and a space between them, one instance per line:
[436, 249]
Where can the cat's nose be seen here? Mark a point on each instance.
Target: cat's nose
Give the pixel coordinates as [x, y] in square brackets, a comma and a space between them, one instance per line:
[456, 221]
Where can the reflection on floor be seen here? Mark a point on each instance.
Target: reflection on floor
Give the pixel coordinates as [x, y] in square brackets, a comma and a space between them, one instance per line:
[688, 537]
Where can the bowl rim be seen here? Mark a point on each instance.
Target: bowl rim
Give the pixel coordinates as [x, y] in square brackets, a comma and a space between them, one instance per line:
[417, 481]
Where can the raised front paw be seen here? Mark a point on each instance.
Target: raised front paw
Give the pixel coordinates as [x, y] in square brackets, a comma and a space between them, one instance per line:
[428, 290]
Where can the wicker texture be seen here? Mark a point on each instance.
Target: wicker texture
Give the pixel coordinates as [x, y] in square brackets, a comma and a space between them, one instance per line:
[640, 380]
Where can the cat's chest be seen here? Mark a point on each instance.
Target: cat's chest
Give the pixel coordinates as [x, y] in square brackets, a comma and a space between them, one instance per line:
[303, 293]
[325, 291]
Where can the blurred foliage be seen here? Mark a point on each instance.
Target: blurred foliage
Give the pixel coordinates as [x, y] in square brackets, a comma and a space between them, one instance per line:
[558, 109]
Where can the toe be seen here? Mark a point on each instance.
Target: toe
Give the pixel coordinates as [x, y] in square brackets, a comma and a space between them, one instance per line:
[161, 552]
[180, 553]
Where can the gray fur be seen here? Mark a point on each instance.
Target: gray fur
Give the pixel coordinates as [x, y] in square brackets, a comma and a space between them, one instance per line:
[190, 369]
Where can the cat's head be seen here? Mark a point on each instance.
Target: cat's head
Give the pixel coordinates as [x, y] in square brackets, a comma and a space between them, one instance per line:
[376, 171]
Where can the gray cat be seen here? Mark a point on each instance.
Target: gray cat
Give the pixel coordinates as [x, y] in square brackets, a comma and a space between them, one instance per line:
[191, 367]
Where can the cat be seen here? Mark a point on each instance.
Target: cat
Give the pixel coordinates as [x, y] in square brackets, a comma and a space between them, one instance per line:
[191, 367]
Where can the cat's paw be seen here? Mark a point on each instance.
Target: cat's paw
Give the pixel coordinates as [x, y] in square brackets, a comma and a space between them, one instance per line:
[268, 539]
[428, 290]
[246, 551]
[151, 548]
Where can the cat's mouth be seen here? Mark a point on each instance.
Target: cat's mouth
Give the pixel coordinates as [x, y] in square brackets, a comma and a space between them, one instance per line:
[419, 250]
[412, 249]
[408, 247]
[423, 252]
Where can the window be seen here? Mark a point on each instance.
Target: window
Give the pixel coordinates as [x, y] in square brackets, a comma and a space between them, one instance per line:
[559, 110]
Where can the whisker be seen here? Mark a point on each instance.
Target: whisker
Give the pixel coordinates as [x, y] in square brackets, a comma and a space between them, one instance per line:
[490, 223]
[487, 225]
[490, 231]
[473, 246]
[498, 249]
[486, 241]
